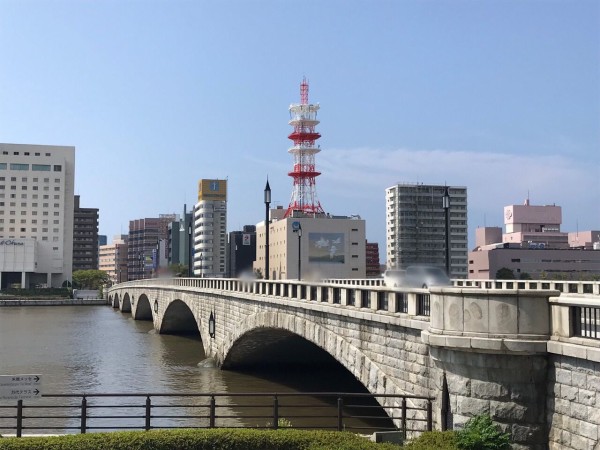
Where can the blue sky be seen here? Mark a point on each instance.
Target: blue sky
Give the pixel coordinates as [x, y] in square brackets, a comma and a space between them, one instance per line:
[500, 96]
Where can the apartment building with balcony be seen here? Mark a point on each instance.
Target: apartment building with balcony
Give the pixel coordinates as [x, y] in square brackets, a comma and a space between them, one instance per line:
[416, 227]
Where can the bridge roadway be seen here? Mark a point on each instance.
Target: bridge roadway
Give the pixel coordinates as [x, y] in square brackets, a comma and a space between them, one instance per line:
[527, 355]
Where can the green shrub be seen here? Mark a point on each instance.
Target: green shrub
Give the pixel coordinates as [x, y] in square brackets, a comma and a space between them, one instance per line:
[434, 440]
[206, 439]
[481, 433]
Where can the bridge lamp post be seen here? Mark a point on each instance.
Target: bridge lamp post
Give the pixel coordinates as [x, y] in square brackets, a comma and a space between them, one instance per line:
[190, 250]
[297, 228]
[446, 206]
[267, 226]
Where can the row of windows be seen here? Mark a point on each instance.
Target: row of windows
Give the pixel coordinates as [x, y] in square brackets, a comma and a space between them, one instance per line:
[35, 180]
[34, 196]
[25, 153]
[34, 167]
[33, 230]
[33, 205]
[24, 188]
[33, 213]
[33, 221]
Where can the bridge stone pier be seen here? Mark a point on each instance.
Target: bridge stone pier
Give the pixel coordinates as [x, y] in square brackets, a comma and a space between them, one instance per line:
[528, 357]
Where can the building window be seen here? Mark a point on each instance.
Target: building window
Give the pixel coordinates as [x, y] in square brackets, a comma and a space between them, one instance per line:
[58, 168]
[15, 166]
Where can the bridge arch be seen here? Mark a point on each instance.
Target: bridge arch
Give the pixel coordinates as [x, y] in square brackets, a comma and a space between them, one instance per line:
[252, 331]
[114, 300]
[142, 309]
[179, 318]
[125, 305]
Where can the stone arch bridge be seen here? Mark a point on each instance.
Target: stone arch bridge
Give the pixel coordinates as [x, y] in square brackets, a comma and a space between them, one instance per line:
[474, 350]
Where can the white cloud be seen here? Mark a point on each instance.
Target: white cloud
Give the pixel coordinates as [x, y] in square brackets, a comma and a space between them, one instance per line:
[354, 181]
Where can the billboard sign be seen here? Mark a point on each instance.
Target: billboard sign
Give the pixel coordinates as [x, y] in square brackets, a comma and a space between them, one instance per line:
[326, 248]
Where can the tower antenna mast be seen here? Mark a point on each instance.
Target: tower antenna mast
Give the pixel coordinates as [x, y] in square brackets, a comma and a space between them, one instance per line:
[303, 117]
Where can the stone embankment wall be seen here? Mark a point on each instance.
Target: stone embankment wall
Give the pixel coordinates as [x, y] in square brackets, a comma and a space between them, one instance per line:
[573, 403]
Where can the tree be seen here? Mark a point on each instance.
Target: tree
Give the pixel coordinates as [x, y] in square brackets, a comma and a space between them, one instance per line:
[90, 279]
[505, 274]
[524, 276]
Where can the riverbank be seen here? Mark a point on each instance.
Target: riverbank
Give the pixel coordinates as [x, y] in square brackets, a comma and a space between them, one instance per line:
[52, 302]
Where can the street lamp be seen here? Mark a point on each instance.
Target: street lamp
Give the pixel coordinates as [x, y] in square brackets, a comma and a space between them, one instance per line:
[190, 259]
[446, 206]
[267, 226]
[297, 228]
[201, 266]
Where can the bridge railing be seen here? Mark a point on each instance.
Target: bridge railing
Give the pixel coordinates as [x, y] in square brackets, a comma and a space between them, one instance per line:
[83, 413]
[564, 286]
[411, 301]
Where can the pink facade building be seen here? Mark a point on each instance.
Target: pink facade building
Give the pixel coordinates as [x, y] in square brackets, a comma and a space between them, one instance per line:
[533, 245]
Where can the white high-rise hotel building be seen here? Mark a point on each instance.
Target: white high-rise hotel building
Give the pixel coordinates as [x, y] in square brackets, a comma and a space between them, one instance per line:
[36, 214]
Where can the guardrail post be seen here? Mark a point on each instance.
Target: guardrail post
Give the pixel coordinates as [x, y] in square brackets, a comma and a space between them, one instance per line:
[340, 414]
[404, 417]
[275, 412]
[83, 415]
[429, 416]
[213, 408]
[19, 417]
[148, 413]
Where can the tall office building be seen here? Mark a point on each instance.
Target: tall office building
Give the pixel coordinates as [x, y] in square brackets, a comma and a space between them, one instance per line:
[210, 229]
[179, 245]
[36, 215]
[143, 243]
[416, 227]
[85, 237]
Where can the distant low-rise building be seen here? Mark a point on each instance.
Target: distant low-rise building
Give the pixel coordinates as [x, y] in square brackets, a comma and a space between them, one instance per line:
[113, 259]
[534, 246]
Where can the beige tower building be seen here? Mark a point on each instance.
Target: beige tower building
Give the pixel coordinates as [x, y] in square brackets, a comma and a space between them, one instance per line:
[210, 229]
[36, 215]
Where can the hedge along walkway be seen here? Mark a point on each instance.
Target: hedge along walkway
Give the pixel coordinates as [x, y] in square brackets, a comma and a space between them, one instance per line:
[212, 439]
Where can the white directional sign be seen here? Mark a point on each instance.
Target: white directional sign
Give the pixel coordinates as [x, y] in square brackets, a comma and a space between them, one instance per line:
[20, 387]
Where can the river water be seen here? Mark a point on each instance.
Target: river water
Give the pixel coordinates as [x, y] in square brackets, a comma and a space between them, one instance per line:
[97, 349]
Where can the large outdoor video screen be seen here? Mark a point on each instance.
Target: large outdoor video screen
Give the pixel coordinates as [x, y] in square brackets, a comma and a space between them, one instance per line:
[326, 248]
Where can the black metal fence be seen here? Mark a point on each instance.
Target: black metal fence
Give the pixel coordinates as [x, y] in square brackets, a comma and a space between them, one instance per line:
[82, 413]
[586, 321]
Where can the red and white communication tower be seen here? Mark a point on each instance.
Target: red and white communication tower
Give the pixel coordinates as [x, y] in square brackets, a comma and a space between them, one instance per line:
[303, 117]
